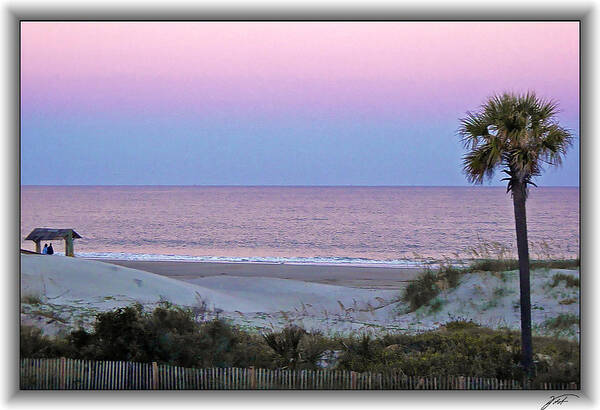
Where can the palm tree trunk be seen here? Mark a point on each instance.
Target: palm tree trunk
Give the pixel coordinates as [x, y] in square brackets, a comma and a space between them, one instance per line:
[519, 197]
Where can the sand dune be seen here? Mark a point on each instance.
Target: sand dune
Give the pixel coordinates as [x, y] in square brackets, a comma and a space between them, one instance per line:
[61, 280]
[73, 290]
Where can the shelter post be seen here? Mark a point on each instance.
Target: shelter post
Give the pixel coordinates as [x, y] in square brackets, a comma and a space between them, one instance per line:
[69, 244]
[44, 234]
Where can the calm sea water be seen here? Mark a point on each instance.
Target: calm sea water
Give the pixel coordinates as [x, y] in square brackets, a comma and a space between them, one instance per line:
[392, 225]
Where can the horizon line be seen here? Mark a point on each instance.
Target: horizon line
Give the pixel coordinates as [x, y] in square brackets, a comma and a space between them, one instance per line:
[287, 186]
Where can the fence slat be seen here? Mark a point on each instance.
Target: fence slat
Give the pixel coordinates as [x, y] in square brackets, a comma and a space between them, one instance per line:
[77, 374]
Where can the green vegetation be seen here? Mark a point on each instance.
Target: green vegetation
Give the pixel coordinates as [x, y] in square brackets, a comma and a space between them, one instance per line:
[35, 344]
[295, 348]
[436, 304]
[31, 300]
[518, 134]
[500, 265]
[461, 324]
[459, 347]
[170, 335]
[500, 292]
[428, 285]
[562, 324]
[420, 291]
[571, 281]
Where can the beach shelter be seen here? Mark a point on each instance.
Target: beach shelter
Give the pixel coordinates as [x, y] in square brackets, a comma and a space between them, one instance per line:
[48, 234]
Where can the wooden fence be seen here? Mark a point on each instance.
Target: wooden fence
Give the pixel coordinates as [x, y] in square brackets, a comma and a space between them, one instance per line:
[69, 374]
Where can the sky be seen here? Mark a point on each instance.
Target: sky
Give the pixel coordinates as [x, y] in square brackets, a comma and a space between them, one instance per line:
[278, 103]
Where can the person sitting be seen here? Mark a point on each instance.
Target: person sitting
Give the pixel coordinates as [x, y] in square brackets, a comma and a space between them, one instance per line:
[50, 249]
[45, 250]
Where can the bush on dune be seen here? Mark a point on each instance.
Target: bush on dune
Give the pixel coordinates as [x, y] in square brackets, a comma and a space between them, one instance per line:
[570, 281]
[493, 265]
[420, 291]
[295, 348]
[460, 347]
[434, 353]
[430, 283]
[562, 323]
[500, 265]
[34, 344]
[169, 335]
[31, 299]
[462, 324]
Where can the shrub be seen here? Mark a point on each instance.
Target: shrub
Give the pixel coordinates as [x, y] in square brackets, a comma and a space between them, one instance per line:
[169, 335]
[419, 292]
[500, 292]
[490, 354]
[31, 299]
[450, 275]
[436, 304]
[312, 349]
[34, 344]
[500, 265]
[557, 360]
[570, 281]
[430, 283]
[251, 350]
[216, 343]
[562, 322]
[286, 345]
[120, 335]
[359, 354]
[461, 324]
[494, 265]
[555, 264]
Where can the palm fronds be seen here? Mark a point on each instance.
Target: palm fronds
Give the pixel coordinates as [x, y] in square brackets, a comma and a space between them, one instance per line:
[286, 345]
[517, 133]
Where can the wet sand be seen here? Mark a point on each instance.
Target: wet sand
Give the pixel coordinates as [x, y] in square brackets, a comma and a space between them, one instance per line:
[352, 276]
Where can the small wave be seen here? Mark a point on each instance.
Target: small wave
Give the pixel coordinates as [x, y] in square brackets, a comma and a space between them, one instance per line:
[399, 263]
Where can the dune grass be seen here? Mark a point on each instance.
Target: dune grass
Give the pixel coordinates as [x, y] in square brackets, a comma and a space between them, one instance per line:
[430, 283]
[570, 281]
[562, 325]
[171, 335]
[500, 265]
[420, 291]
[31, 299]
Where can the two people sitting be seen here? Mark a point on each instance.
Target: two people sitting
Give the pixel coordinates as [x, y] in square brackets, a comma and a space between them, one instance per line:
[48, 250]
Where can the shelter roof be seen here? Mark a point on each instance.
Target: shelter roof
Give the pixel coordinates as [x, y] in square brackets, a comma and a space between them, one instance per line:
[44, 234]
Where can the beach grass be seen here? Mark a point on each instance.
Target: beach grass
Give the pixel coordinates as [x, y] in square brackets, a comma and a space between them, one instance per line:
[430, 283]
[171, 335]
[500, 265]
[563, 323]
[570, 281]
[31, 299]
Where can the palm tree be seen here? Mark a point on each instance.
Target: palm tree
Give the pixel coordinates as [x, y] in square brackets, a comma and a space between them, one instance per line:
[520, 134]
[286, 344]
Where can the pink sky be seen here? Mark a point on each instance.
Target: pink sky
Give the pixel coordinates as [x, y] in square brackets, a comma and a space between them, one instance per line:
[277, 103]
[393, 68]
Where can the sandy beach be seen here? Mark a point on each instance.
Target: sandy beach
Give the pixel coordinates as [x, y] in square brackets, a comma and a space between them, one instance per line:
[351, 276]
[60, 293]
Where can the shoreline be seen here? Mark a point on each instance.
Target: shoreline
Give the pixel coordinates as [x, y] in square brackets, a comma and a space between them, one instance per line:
[368, 277]
[267, 260]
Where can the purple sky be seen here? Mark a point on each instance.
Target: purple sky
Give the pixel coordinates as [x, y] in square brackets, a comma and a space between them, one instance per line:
[277, 103]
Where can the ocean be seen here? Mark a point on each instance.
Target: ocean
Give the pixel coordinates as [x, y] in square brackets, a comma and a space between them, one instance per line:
[391, 226]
